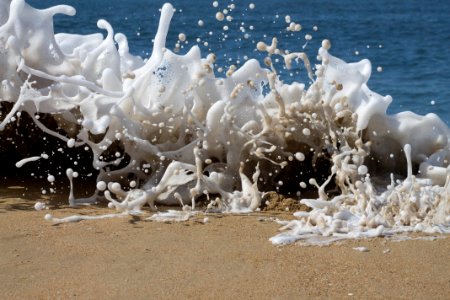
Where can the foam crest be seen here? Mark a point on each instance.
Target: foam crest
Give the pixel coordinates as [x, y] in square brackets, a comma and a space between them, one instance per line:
[166, 130]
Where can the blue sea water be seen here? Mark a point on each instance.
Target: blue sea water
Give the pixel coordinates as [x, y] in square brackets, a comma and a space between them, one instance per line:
[410, 40]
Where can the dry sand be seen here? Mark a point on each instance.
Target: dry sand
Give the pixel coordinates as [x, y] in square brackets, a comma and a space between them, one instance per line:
[228, 257]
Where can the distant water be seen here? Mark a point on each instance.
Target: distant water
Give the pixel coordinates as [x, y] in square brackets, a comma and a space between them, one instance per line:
[410, 40]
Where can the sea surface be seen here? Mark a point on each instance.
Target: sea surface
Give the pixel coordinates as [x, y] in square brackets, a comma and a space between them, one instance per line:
[409, 40]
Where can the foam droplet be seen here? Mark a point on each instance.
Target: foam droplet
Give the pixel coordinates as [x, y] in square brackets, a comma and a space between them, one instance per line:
[101, 186]
[71, 143]
[299, 156]
[182, 37]
[69, 173]
[39, 206]
[326, 44]
[362, 170]
[219, 16]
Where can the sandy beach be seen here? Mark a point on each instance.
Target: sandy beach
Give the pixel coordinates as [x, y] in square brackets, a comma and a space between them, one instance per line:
[228, 257]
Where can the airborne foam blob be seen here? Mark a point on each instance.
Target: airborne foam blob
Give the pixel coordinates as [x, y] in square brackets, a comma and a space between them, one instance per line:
[21, 162]
[177, 132]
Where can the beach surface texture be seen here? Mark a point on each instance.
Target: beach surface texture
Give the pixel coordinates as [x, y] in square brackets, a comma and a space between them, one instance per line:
[227, 257]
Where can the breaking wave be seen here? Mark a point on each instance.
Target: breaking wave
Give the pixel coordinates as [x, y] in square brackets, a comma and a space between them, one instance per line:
[167, 130]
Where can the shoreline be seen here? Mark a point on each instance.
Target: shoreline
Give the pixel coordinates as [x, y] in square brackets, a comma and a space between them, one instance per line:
[230, 256]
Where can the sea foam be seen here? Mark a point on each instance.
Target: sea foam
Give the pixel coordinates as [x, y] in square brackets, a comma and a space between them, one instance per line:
[180, 133]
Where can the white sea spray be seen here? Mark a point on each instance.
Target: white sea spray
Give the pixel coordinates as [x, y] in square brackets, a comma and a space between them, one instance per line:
[180, 133]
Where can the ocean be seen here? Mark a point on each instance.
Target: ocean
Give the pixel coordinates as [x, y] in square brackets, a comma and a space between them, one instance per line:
[409, 40]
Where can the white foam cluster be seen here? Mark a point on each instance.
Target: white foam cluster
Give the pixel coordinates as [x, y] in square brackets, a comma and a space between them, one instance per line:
[179, 133]
[412, 206]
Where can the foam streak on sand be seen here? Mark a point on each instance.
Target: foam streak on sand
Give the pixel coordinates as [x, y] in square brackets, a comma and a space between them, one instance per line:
[183, 133]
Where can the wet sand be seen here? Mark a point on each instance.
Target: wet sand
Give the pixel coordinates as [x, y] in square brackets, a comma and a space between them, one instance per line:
[228, 257]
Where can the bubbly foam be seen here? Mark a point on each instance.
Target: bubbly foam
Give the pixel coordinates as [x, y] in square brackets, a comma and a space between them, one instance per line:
[179, 133]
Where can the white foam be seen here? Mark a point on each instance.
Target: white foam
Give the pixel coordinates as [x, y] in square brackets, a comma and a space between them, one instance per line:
[170, 114]
[21, 162]
[39, 206]
[361, 249]
[78, 218]
[172, 216]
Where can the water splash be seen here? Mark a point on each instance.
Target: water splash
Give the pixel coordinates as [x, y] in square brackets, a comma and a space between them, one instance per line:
[179, 133]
